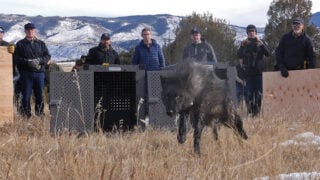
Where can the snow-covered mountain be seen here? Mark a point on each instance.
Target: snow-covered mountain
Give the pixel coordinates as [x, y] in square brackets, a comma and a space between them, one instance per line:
[70, 37]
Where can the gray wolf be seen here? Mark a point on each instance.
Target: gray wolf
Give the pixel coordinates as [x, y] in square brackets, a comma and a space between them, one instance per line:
[194, 92]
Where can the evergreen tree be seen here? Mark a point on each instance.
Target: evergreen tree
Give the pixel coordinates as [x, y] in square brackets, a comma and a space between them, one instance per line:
[281, 13]
[215, 31]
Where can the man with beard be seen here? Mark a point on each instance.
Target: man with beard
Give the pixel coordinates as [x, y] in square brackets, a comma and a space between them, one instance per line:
[103, 54]
[295, 50]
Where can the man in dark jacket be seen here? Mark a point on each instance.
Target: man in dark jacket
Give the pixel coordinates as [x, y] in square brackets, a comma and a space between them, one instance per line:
[252, 50]
[31, 55]
[295, 50]
[199, 50]
[103, 54]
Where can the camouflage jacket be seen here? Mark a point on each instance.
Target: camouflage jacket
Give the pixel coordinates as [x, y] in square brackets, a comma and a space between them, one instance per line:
[252, 52]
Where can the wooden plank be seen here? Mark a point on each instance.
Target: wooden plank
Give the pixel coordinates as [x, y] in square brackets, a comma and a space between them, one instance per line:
[295, 96]
[6, 82]
[6, 99]
[6, 87]
[6, 115]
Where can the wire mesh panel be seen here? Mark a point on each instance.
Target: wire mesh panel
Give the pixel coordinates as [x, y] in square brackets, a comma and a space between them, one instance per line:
[115, 100]
[232, 74]
[229, 73]
[157, 111]
[71, 105]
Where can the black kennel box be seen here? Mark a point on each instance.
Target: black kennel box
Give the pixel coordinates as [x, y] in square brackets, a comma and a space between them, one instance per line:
[105, 97]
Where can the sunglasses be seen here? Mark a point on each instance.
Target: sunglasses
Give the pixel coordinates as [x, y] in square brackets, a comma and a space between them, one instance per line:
[1, 31]
[296, 23]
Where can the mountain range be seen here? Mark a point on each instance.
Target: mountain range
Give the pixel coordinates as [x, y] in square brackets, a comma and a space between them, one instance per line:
[68, 38]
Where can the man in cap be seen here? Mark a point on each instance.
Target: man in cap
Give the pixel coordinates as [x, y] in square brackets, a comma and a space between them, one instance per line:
[103, 54]
[31, 55]
[199, 50]
[295, 50]
[252, 51]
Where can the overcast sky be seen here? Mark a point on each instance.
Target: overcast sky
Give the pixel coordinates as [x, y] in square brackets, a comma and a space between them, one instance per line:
[236, 12]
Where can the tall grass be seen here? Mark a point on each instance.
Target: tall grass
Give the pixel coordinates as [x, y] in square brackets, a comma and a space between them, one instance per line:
[28, 151]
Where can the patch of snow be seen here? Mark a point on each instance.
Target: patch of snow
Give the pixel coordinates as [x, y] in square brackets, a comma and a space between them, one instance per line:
[303, 139]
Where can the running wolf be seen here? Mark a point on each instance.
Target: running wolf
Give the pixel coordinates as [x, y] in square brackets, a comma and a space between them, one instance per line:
[194, 92]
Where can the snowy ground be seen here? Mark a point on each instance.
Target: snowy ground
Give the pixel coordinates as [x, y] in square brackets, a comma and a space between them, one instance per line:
[303, 139]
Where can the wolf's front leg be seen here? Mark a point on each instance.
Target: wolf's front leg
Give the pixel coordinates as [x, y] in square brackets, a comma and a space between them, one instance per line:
[182, 129]
[198, 127]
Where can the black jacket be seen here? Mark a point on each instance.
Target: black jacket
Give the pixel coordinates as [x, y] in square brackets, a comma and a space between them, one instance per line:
[26, 50]
[98, 55]
[292, 51]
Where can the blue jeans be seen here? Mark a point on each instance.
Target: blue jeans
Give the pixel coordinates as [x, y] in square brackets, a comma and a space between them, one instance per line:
[32, 81]
[254, 94]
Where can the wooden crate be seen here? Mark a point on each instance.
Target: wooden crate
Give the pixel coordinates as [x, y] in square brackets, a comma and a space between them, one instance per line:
[6, 87]
[294, 97]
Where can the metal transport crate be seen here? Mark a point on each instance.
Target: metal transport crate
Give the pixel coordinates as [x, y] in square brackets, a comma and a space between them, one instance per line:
[98, 97]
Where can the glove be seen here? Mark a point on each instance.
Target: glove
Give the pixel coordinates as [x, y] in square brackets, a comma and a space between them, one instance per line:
[34, 64]
[11, 48]
[284, 72]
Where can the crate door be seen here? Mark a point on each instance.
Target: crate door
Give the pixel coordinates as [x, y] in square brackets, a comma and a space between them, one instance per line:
[71, 101]
[157, 112]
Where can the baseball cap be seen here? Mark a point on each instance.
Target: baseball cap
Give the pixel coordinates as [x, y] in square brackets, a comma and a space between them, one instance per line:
[297, 20]
[105, 36]
[195, 30]
[29, 26]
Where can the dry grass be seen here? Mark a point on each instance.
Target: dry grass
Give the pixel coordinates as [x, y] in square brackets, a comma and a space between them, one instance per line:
[28, 151]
